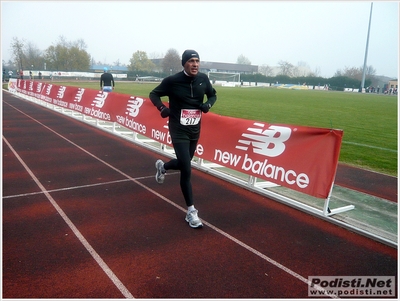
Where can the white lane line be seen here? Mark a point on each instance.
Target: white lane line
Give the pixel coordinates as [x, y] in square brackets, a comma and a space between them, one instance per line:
[65, 189]
[80, 186]
[247, 247]
[75, 230]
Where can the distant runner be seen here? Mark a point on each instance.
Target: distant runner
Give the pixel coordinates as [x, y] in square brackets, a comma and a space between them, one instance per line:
[105, 81]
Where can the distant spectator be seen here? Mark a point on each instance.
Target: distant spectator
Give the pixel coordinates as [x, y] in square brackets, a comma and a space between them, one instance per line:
[106, 79]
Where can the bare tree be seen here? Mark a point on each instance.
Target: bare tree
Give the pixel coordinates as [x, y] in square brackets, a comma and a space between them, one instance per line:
[266, 70]
[171, 62]
[302, 69]
[338, 73]
[62, 41]
[317, 72]
[285, 68]
[356, 73]
[242, 60]
[353, 72]
[371, 71]
[17, 50]
[80, 44]
[155, 55]
[297, 72]
[34, 57]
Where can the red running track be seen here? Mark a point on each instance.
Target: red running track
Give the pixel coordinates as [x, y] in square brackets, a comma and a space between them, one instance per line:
[84, 218]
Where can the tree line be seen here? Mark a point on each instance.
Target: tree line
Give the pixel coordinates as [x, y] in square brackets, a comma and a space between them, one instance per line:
[63, 56]
[73, 56]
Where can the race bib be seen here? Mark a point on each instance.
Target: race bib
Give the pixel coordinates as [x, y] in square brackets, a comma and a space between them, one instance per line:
[190, 116]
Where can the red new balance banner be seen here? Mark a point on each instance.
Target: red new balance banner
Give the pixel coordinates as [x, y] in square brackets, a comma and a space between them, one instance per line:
[298, 157]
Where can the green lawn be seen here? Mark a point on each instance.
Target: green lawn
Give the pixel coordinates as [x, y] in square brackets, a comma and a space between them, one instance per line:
[369, 121]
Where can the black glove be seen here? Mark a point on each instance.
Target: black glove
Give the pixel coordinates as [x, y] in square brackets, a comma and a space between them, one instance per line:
[205, 107]
[165, 112]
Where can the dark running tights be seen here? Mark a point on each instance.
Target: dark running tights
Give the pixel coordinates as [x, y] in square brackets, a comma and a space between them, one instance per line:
[184, 154]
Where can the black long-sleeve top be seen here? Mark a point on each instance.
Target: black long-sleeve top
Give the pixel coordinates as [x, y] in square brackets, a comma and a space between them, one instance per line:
[184, 92]
[107, 79]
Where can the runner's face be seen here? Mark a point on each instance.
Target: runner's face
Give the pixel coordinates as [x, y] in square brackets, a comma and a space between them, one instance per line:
[192, 66]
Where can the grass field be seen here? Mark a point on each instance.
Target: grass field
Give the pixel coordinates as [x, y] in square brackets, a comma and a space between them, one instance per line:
[369, 121]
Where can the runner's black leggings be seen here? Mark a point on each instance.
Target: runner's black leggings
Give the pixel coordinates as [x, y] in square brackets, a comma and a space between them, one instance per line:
[184, 154]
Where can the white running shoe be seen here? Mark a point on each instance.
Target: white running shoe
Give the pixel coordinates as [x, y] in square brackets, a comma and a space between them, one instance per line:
[160, 175]
[193, 219]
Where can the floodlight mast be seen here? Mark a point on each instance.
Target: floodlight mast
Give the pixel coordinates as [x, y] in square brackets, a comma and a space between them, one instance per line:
[366, 51]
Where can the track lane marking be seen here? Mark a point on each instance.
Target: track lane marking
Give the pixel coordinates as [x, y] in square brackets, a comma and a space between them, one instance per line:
[64, 189]
[79, 187]
[223, 233]
[74, 229]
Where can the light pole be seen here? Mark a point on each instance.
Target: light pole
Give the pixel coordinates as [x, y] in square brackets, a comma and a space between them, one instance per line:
[366, 51]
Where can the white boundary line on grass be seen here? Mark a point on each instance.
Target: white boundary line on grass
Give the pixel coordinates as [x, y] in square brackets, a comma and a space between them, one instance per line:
[100, 261]
[370, 146]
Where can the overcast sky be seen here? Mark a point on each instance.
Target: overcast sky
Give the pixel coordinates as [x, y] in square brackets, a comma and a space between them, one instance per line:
[327, 36]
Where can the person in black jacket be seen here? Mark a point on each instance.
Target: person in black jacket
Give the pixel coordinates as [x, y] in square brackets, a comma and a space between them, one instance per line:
[185, 90]
[105, 81]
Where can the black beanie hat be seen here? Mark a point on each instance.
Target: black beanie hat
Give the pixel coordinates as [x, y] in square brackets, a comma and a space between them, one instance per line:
[188, 54]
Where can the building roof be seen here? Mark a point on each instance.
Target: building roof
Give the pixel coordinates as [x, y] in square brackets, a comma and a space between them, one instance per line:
[220, 67]
[204, 67]
[228, 67]
[100, 68]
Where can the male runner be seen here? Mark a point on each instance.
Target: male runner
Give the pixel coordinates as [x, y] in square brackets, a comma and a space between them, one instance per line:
[185, 90]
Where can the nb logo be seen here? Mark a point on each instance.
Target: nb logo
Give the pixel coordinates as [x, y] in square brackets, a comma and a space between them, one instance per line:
[48, 89]
[39, 87]
[79, 94]
[133, 106]
[100, 100]
[60, 93]
[268, 142]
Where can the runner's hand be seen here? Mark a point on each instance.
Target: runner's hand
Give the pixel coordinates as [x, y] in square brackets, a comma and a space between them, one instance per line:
[165, 112]
[205, 107]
